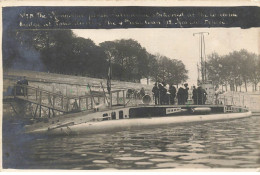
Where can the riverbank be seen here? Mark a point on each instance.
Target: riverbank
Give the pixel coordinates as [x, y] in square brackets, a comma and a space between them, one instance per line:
[75, 85]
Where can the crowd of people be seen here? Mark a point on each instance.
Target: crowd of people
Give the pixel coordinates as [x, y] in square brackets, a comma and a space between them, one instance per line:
[199, 95]
[166, 95]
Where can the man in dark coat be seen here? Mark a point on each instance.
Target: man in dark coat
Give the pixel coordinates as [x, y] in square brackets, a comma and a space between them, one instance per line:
[186, 93]
[180, 96]
[200, 95]
[172, 91]
[155, 91]
[195, 95]
[204, 96]
[162, 94]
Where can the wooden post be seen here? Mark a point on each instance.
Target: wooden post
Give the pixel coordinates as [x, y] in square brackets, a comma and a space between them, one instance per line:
[40, 98]
[87, 103]
[53, 103]
[36, 94]
[105, 97]
[79, 104]
[77, 90]
[124, 97]
[61, 101]
[67, 105]
[117, 97]
[35, 111]
[91, 103]
[53, 113]
[110, 96]
[26, 90]
[40, 112]
[14, 90]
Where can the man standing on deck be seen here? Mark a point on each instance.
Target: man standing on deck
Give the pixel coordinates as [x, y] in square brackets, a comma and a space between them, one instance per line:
[195, 95]
[155, 91]
[200, 95]
[186, 93]
[180, 95]
[204, 96]
[172, 91]
[162, 94]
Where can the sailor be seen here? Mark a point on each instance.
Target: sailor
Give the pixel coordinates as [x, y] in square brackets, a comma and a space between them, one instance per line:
[186, 93]
[200, 95]
[180, 96]
[204, 96]
[217, 92]
[162, 94]
[172, 91]
[155, 91]
[195, 95]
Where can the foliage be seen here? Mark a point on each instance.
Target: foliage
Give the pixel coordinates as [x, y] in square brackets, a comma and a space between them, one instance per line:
[171, 71]
[235, 69]
[60, 51]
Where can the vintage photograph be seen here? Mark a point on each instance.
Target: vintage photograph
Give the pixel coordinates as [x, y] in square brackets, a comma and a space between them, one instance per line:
[130, 87]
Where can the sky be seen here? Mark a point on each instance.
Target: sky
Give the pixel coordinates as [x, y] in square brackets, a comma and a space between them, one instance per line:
[180, 43]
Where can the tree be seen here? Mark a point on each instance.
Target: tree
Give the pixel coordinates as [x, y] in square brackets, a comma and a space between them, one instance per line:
[171, 71]
[55, 51]
[130, 59]
[255, 75]
[236, 68]
[153, 67]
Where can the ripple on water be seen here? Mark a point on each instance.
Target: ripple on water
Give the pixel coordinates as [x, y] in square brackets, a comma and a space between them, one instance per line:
[180, 165]
[229, 144]
[196, 156]
[143, 163]
[153, 150]
[221, 162]
[167, 165]
[172, 154]
[231, 151]
[131, 158]
[100, 161]
[140, 151]
[161, 160]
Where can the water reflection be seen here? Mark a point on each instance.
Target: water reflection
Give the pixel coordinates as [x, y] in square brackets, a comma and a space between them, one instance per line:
[222, 144]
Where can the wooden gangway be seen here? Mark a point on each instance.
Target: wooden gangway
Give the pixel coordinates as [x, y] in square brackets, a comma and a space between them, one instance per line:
[59, 102]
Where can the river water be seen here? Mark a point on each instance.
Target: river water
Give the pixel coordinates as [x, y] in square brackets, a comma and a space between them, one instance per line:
[219, 144]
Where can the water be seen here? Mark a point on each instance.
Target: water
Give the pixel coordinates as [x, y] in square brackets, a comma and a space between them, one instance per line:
[222, 144]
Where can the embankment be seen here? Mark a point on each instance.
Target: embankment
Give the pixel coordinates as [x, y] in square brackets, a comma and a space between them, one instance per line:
[67, 84]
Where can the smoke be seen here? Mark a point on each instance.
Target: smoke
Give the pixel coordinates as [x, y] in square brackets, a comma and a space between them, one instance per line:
[17, 55]
[28, 59]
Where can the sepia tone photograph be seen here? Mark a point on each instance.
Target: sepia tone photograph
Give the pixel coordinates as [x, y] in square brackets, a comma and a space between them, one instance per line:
[130, 87]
